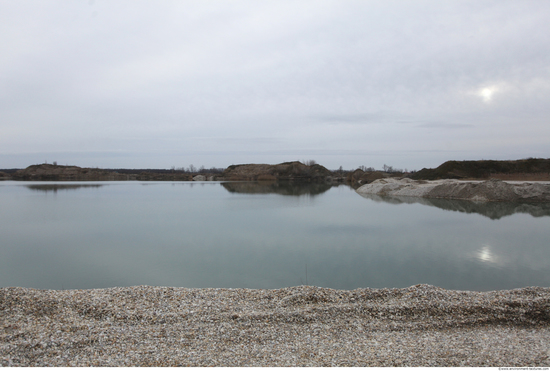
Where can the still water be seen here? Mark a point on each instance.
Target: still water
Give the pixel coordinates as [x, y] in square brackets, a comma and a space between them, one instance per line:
[189, 234]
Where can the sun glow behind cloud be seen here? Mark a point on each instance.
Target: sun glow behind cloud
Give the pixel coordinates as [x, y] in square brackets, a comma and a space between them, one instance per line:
[487, 93]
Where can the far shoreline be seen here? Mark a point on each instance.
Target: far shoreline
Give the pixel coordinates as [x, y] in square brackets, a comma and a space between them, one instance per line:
[530, 169]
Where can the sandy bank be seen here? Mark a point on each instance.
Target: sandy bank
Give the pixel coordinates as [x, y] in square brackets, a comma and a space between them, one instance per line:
[490, 190]
[157, 326]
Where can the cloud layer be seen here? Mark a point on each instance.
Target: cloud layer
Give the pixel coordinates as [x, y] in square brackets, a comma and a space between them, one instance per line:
[160, 84]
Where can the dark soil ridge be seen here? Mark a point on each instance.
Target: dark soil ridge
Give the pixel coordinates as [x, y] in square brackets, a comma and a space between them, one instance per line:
[527, 169]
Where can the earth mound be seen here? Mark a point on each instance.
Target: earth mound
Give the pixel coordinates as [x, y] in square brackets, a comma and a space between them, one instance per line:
[527, 169]
[286, 171]
[60, 172]
[53, 172]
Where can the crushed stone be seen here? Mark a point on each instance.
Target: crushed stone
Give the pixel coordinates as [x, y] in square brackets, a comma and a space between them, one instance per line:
[490, 190]
[421, 325]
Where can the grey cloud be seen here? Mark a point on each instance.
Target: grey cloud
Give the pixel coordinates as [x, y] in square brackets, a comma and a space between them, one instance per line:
[333, 76]
[354, 118]
[443, 125]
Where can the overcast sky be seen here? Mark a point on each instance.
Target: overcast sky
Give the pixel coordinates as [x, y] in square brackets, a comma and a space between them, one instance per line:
[157, 84]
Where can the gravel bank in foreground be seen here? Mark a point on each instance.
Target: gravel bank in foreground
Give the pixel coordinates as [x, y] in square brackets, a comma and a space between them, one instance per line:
[301, 326]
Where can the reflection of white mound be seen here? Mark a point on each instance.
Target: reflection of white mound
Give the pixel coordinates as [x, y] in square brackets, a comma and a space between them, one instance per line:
[492, 210]
[490, 190]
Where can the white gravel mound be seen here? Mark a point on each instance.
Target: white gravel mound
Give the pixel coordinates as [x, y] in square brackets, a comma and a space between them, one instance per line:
[490, 190]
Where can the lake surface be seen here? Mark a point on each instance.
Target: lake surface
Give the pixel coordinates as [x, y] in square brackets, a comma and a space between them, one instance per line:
[188, 234]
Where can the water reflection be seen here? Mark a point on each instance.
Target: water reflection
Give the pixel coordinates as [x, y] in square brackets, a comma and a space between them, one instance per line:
[487, 255]
[63, 187]
[491, 210]
[190, 234]
[281, 188]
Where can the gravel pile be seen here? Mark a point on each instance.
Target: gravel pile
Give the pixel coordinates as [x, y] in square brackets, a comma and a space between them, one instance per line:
[490, 190]
[301, 326]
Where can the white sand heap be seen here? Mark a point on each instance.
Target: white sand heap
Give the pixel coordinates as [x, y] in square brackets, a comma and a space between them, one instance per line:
[490, 190]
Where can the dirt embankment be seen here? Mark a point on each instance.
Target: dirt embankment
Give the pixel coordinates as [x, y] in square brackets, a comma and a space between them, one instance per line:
[491, 190]
[52, 172]
[285, 171]
[58, 172]
[531, 169]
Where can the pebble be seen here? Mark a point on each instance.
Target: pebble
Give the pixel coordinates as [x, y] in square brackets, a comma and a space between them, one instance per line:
[421, 325]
